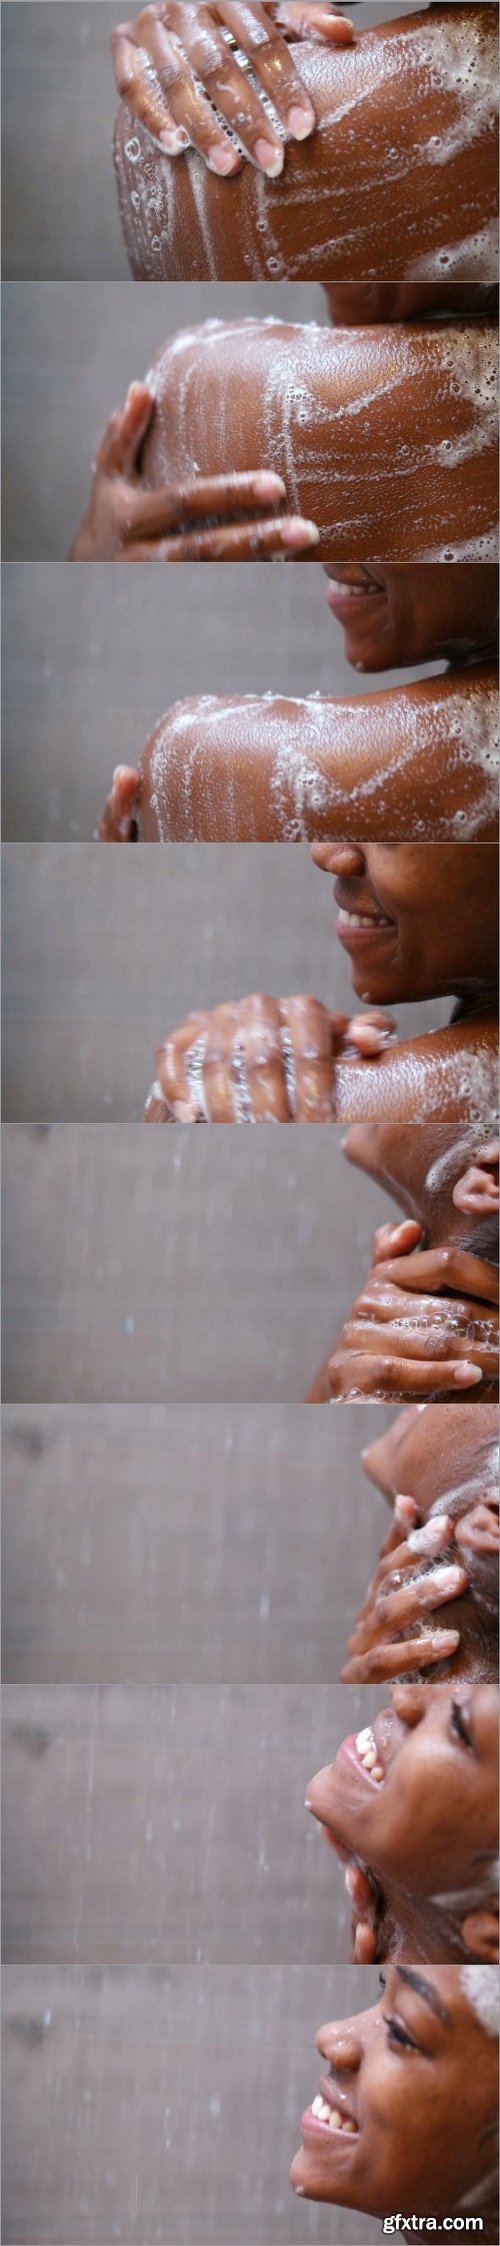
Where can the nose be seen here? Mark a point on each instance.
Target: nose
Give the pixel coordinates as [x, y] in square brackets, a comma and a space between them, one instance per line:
[410, 1703]
[341, 2044]
[345, 858]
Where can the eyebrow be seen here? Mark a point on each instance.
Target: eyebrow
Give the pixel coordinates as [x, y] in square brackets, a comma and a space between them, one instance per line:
[427, 1991]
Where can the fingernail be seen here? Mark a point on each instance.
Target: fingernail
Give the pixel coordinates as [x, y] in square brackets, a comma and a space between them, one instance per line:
[270, 158]
[445, 1641]
[374, 1038]
[296, 533]
[223, 160]
[301, 123]
[404, 1508]
[429, 1538]
[447, 1579]
[350, 1881]
[467, 1376]
[173, 141]
[269, 487]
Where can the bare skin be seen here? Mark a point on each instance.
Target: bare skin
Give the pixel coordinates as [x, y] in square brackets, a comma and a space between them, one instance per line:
[171, 57]
[394, 2076]
[426, 1325]
[269, 1060]
[416, 760]
[126, 523]
[412, 475]
[340, 203]
[410, 1806]
[447, 1460]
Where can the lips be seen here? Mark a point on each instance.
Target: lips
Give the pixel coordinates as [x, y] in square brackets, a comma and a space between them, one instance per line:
[350, 588]
[330, 2113]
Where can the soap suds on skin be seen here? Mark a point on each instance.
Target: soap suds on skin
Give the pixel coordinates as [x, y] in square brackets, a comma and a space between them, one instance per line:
[213, 743]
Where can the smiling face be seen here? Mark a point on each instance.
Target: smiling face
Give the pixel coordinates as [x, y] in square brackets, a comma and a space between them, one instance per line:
[418, 920]
[414, 1796]
[407, 2106]
[396, 614]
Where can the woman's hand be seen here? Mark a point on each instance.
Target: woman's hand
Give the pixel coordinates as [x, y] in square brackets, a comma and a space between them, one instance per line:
[118, 820]
[179, 77]
[425, 1325]
[396, 1629]
[126, 523]
[260, 1060]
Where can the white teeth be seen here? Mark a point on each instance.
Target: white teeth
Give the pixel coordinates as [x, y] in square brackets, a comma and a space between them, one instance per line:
[331, 2116]
[367, 1750]
[358, 919]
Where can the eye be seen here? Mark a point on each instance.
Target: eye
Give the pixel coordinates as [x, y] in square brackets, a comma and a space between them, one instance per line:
[397, 2034]
[459, 1725]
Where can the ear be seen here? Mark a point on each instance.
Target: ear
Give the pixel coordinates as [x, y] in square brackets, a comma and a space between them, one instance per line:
[479, 1528]
[480, 1935]
[477, 1192]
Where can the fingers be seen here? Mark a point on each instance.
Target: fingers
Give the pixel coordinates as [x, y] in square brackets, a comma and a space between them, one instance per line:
[439, 1270]
[179, 1069]
[400, 1609]
[371, 1034]
[140, 88]
[307, 1043]
[259, 37]
[118, 821]
[190, 61]
[152, 513]
[262, 1082]
[125, 433]
[386, 1661]
[395, 1240]
[353, 1375]
[156, 1109]
[284, 539]
[298, 20]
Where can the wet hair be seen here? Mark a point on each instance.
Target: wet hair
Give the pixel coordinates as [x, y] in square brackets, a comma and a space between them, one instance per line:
[482, 1988]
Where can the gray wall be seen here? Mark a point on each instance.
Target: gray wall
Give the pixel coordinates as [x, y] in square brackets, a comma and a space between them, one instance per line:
[70, 351]
[106, 950]
[59, 104]
[181, 1543]
[144, 1265]
[149, 2105]
[92, 658]
[179, 1824]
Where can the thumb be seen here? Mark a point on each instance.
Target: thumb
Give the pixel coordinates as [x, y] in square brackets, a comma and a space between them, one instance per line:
[125, 433]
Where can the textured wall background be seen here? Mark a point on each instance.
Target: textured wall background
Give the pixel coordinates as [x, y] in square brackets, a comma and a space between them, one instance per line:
[185, 1542]
[143, 1266]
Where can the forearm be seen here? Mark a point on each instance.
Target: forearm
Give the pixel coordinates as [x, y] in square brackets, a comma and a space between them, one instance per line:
[344, 205]
[416, 760]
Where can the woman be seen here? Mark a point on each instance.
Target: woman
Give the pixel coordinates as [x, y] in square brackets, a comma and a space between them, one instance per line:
[383, 441]
[405, 2116]
[399, 178]
[289, 1060]
[426, 1322]
[437, 1466]
[410, 1805]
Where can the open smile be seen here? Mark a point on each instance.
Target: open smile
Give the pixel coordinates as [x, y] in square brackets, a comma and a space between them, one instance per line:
[364, 1751]
[329, 2114]
[357, 929]
[351, 590]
